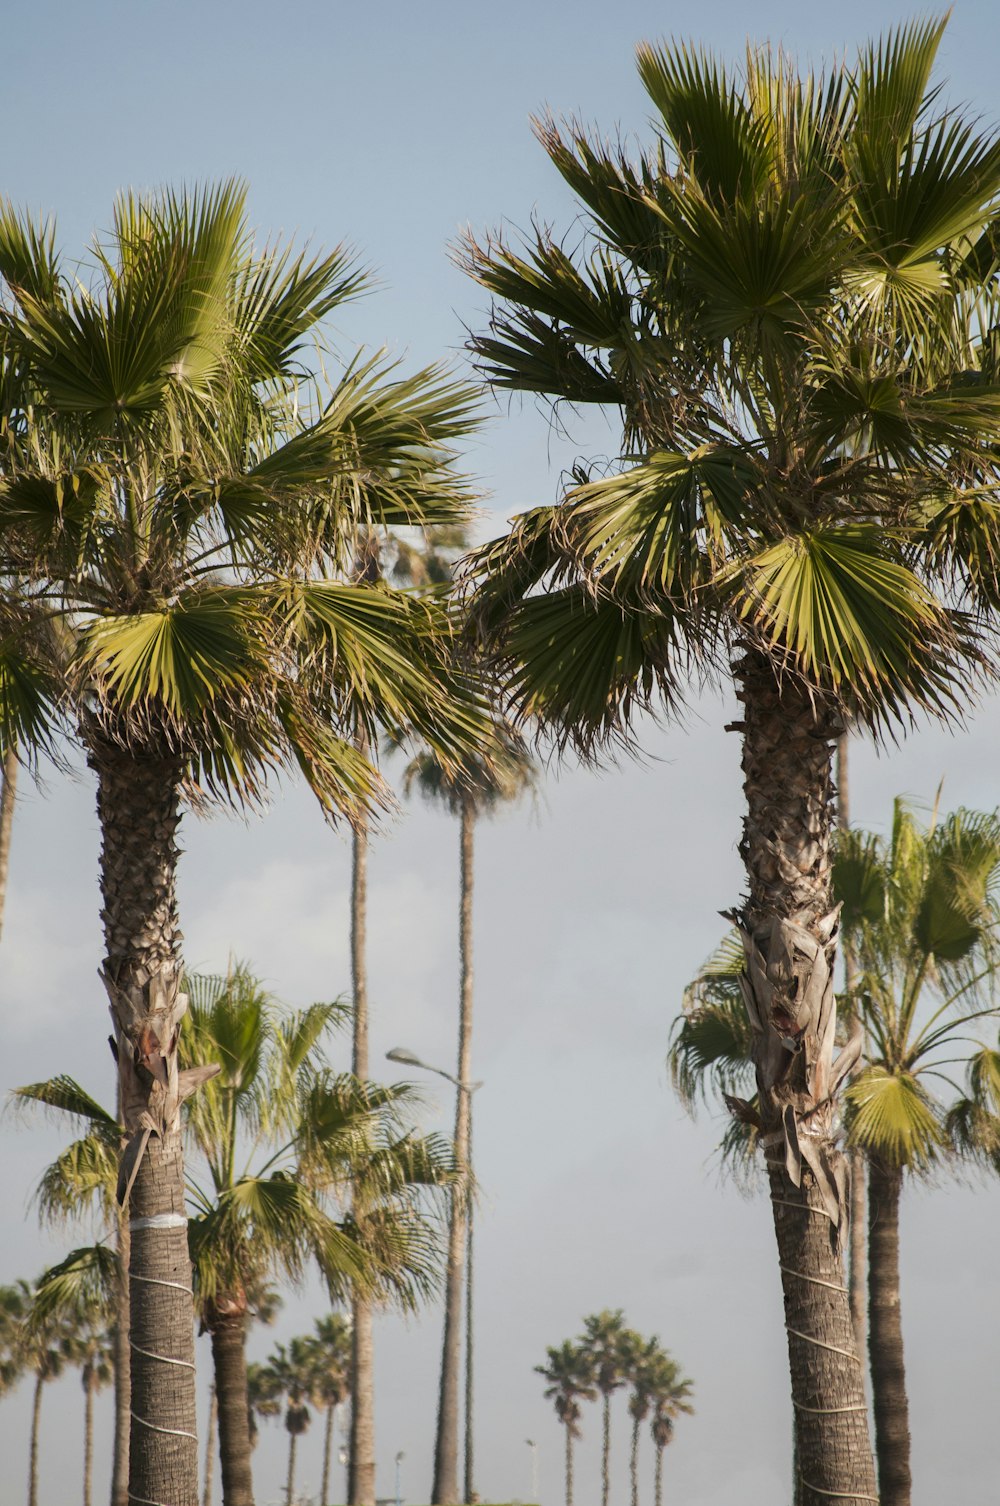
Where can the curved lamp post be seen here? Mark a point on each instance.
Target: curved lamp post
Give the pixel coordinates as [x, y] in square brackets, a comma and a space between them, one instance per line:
[461, 1207]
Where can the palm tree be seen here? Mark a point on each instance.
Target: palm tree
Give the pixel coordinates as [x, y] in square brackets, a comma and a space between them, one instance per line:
[331, 1357]
[775, 299]
[669, 1394]
[570, 1376]
[501, 770]
[921, 914]
[8, 792]
[857, 1249]
[606, 1341]
[280, 1136]
[40, 1340]
[179, 492]
[292, 1374]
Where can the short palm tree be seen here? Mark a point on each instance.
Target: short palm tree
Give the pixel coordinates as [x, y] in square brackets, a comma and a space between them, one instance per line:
[774, 299]
[181, 495]
[499, 771]
[921, 913]
[331, 1358]
[569, 1374]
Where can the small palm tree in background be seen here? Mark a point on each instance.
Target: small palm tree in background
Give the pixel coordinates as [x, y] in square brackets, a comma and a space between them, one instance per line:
[43, 1343]
[669, 1393]
[292, 1377]
[606, 1340]
[921, 914]
[498, 772]
[569, 1376]
[331, 1353]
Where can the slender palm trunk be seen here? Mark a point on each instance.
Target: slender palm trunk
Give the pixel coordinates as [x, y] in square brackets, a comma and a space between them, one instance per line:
[606, 1450]
[138, 797]
[89, 1386]
[889, 1400]
[293, 1440]
[210, 1441]
[331, 1428]
[445, 1488]
[634, 1461]
[227, 1325]
[658, 1477]
[36, 1417]
[7, 796]
[857, 1249]
[123, 1377]
[470, 1411]
[569, 1464]
[788, 926]
[362, 1446]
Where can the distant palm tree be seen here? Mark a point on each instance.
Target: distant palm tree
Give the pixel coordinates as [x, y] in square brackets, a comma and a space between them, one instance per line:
[606, 1341]
[331, 1356]
[498, 772]
[8, 791]
[570, 1376]
[292, 1375]
[670, 1393]
[40, 1344]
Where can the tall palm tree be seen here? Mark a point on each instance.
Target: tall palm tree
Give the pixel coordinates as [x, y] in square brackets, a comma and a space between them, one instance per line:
[500, 771]
[180, 493]
[331, 1356]
[606, 1340]
[42, 1347]
[569, 1373]
[292, 1375]
[921, 913]
[774, 298]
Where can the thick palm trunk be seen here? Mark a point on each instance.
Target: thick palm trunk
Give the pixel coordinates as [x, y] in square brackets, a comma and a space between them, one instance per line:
[227, 1325]
[788, 925]
[8, 793]
[569, 1465]
[36, 1418]
[138, 808]
[361, 1490]
[889, 1401]
[123, 1371]
[445, 1487]
[331, 1428]
[606, 1450]
[634, 1461]
[857, 1252]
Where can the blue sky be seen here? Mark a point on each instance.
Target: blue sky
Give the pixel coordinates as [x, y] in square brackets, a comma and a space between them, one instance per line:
[393, 127]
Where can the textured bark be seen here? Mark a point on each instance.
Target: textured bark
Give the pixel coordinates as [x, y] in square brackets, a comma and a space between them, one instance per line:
[138, 806]
[856, 1216]
[8, 793]
[123, 1377]
[789, 929]
[328, 1436]
[889, 1401]
[293, 1442]
[606, 1449]
[444, 1491]
[569, 1465]
[361, 1468]
[227, 1323]
[36, 1417]
[658, 1477]
[88, 1438]
[634, 1461]
[210, 1443]
[470, 1411]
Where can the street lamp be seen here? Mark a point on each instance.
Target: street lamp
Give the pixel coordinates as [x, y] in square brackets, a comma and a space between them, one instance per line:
[461, 1208]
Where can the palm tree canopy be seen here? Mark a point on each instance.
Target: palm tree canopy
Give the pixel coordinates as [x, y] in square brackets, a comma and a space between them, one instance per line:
[184, 500]
[783, 298]
[608, 1342]
[496, 772]
[569, 1373]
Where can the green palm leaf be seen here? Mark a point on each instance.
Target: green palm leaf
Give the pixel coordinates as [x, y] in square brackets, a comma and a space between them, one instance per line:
[892, 1115]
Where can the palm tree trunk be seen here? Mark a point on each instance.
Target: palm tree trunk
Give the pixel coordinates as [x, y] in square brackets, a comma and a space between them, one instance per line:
[36, 1417]
[331, 1428]
[88, 1437]
[569, 1464]
[788, 926]
[658, 1477]
[293, 1439]
[213, 1420]
[362, 1445]
[606, 1451]
[137, 802]
[634, 1462]
[7, 796]
[445, 1487]
[889, 1400]
[227, 1325]
[470, 1411]
[123, 1378]
[857, 1251]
